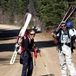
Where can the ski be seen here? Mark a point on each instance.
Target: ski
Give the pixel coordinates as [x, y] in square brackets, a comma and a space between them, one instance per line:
[67, 15]
[13, 56]
[28, 17]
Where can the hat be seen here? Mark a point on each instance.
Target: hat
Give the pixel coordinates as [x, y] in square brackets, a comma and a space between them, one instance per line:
[69, 24]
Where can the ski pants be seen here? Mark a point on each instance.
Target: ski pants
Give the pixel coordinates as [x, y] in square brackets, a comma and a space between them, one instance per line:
[27, 63]
[66, 64]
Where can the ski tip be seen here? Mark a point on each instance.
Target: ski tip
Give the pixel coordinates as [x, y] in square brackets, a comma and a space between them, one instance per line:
[11, 63]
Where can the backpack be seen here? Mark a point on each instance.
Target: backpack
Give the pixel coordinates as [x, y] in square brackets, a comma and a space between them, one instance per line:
[72, 40]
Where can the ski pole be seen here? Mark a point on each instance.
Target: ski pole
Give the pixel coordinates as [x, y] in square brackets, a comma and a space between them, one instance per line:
[70, 14]
[64, 17]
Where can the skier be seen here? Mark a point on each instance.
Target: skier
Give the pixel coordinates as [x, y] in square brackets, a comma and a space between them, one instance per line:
[70, 27]
[64, 35]
[26, 57]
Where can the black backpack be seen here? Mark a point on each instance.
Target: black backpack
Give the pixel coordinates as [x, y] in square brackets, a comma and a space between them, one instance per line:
[72, 40]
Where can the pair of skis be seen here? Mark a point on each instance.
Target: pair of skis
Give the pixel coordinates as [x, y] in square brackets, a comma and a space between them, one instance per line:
[28, 17]
[68, 14]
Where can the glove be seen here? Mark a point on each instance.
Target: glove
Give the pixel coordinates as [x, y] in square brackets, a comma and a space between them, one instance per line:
[17, 45]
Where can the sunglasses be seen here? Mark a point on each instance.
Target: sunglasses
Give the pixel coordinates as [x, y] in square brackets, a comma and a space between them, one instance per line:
[63, 26]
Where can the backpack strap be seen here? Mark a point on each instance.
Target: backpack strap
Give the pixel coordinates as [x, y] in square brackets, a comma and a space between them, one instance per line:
[68, 33]
[60, 32]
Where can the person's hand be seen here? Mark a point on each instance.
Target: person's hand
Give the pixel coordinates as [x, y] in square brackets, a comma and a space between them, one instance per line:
[59, 27]
[55, 41]
[17, 45]
[53, 35]
[20, 41]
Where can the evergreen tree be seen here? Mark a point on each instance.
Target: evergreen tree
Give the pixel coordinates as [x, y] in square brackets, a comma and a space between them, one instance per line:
[50, 11]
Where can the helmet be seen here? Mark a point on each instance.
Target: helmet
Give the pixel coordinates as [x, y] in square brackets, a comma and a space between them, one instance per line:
[32, 32]
[69, 24]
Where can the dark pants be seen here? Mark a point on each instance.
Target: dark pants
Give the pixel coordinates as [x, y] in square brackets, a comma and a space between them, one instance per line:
[27, 62]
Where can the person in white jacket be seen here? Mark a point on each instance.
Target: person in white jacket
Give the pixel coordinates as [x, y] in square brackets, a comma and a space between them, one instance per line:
[64, 36]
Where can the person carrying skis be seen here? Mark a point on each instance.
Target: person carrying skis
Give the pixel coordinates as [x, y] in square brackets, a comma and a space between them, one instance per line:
[26, 56]
[64, 35]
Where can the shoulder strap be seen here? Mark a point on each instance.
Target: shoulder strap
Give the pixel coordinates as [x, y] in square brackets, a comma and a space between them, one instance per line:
[59, 34]
[68, 33]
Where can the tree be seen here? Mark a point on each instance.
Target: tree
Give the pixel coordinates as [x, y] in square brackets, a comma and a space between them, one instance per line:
[13, 8]
[50, 11]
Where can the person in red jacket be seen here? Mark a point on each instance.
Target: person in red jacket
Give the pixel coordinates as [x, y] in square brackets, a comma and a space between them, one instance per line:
[26, 57]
